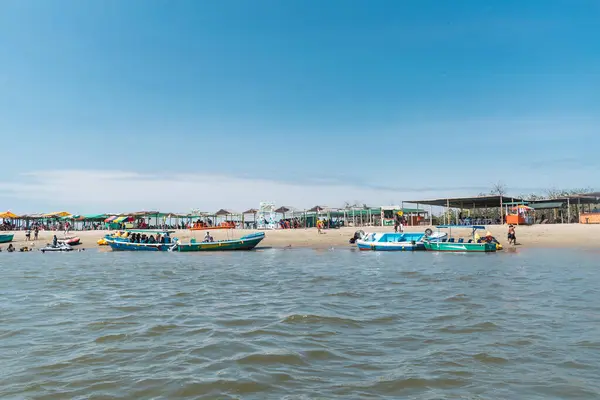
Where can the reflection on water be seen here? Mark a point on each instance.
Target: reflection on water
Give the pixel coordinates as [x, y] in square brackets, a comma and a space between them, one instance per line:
[300, 324]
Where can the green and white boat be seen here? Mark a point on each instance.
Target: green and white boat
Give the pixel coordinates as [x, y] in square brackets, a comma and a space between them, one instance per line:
[460, 245]
[247, 242]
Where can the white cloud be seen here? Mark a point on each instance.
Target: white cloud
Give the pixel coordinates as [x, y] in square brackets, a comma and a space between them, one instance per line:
[84, 191]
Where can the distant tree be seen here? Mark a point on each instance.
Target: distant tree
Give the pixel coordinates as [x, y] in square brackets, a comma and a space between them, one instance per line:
[498, 189]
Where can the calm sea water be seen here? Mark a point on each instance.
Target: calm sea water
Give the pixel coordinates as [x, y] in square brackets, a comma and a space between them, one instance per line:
[300, 324]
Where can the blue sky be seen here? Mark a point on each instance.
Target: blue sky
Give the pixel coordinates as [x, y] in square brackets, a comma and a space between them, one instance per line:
[297, 102]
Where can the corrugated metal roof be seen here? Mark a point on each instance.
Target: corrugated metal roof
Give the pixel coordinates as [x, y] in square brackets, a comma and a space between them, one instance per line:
[547, 205]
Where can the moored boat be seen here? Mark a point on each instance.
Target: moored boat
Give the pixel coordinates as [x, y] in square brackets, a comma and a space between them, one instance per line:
[136, 240]
[247, 242]
[391, 241]
[6, 237]
[460, 245]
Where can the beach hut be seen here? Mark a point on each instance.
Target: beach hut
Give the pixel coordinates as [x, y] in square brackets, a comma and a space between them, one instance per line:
[252, 211]
[225, 213]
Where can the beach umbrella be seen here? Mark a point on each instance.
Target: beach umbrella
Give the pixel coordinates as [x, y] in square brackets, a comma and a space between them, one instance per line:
[110, 219]
[122, 219]
[8, 214]
[56, 214]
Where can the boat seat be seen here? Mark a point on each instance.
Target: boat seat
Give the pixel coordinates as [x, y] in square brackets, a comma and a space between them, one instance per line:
[461, 240]
[470, 241]
[444, 240]
[451, 240]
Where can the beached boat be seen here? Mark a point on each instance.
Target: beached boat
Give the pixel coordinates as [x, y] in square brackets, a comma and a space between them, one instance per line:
[71, 241]
[6, 238]
[124, 242]
[391, 241]
[472, 245]
[247, 242]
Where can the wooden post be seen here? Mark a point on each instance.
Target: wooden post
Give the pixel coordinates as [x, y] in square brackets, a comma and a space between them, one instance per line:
[447, 212]
[568, 211]
[430, 215]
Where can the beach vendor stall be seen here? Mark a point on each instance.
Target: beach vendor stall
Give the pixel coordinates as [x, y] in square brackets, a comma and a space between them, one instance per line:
[520, 215]
[389, 214]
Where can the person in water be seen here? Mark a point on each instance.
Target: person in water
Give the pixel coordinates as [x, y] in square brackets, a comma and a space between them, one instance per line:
[11, 248]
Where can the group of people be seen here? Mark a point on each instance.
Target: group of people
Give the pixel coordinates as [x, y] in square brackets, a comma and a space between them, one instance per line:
[143, 238]
[36, 232]
[290, 223]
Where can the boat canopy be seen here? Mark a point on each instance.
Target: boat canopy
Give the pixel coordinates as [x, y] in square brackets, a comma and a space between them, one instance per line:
[162, 231]
[461, 226]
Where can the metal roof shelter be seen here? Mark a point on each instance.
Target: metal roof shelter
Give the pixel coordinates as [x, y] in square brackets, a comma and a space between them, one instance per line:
[469, 202]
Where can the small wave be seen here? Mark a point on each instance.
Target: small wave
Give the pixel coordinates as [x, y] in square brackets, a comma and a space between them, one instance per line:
[441, 318]
[402, 384]
[219, 387]
[588, 344]
[410, 273]
[458, 297]
[115, 322]
[128, 308]
[267, 332]
[488, 359]
[268, 359]
[60, 304]
[575, 365]
[345, 294]
[382, 320]
[319, 279]
[160, 329]
[481, 327]
[237, 322]
[5, 334]
[110, 338]
[321, 355]
[320, 320]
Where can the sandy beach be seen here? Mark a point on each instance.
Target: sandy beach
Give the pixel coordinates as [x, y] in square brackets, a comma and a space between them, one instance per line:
[557, 236]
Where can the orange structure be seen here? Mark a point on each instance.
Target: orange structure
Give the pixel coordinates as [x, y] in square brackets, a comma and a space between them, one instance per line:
[589, 218]
[520, 215]
[202, 226]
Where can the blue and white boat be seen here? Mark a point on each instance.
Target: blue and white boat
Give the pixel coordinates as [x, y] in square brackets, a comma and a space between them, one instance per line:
[390, 241]
[120, 243]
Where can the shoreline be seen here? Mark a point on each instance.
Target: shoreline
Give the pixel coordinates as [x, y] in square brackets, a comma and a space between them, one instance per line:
[536, 236]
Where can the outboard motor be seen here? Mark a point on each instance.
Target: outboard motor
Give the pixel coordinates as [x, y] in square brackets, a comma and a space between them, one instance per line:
[357, 235]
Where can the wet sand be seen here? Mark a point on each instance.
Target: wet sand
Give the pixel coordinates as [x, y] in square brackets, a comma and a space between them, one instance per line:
[555, 236]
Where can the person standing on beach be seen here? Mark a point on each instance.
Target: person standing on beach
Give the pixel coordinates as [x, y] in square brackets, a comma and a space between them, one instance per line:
[396, 222]
[512, 238]
[36, 231]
